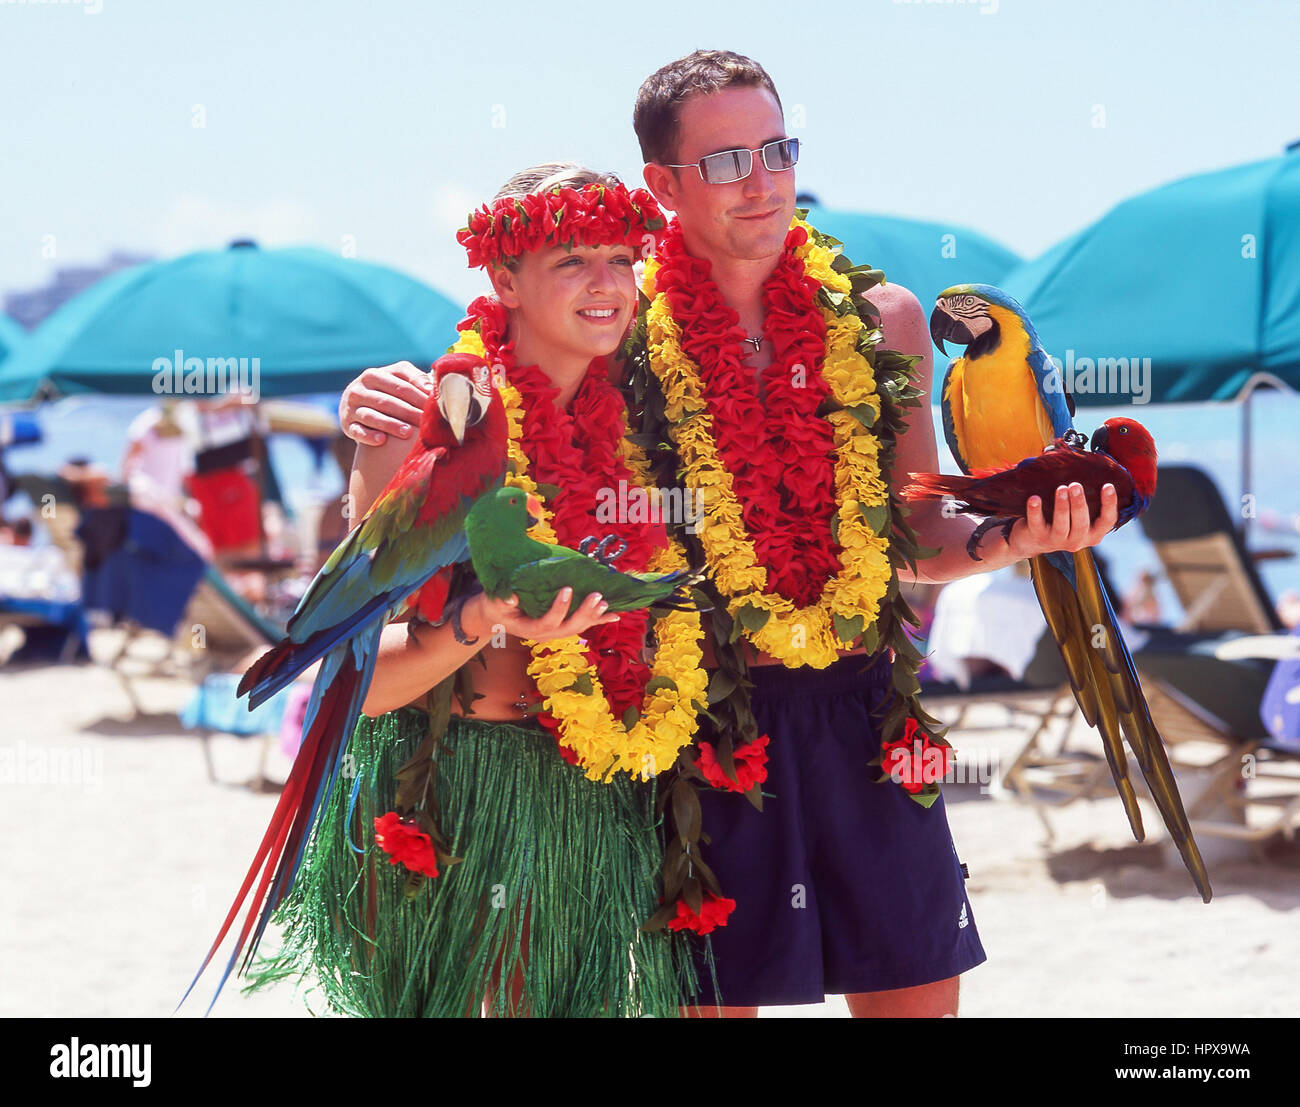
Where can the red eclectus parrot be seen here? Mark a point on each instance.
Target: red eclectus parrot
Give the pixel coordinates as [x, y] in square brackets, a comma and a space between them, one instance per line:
[391, 562]
[1123, 454]
[1003, 402]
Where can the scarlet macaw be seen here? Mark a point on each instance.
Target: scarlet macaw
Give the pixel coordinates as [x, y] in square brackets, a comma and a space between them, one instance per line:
[1004, 401]
[415, 529]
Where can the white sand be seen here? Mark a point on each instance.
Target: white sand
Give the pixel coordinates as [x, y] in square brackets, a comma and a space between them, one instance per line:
[118, 873]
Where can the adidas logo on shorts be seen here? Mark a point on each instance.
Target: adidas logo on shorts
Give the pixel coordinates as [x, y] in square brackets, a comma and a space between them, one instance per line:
[962, 919]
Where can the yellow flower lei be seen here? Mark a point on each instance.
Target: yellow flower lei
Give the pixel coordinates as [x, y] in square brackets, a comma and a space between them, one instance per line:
[570, 686]
[794, 635]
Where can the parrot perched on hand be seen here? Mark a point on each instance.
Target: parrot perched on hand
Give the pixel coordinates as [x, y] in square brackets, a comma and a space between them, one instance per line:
[387, 564]
[1124, 455]
[506, 560]
[1003, 402]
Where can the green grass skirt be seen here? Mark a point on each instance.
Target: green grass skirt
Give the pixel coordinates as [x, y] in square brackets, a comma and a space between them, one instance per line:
[577, 861]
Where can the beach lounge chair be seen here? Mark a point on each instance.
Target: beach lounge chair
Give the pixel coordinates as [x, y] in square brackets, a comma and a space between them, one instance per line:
[1237, 782]
[150, 581]
[1203, 557]
[1240, 781]
[1048, 770]
[216, 709]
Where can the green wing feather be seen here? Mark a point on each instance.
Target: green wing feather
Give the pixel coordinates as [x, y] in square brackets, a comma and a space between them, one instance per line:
[537, 582]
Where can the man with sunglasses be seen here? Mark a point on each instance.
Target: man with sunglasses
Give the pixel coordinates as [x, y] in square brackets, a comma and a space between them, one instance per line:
[841, 885]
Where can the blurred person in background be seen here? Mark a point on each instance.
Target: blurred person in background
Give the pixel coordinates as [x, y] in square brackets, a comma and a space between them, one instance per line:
[227, 458]
[1141, 604]
[159, 456]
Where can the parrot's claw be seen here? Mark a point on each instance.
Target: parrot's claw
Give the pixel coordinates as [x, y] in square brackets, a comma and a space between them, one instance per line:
[1075, 439]
[977, 535]
[414, 623]
[602, 552]
[451, 614]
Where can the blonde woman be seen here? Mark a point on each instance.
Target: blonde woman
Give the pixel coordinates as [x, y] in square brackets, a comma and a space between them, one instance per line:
[556, 869]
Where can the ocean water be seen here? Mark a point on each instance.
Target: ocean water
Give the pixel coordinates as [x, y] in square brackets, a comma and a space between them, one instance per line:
[1208, 435]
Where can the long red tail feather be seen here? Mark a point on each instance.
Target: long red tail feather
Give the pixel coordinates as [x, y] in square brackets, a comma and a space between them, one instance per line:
[289, 823]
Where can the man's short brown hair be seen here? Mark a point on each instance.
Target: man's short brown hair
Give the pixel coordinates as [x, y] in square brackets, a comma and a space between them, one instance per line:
[659, 103]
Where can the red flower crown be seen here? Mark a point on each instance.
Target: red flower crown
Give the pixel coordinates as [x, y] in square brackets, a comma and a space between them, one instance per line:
[595, 216]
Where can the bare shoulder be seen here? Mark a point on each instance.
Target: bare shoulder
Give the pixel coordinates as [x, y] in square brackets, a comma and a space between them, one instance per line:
[902, 319]
[904, 327]
[890, 297]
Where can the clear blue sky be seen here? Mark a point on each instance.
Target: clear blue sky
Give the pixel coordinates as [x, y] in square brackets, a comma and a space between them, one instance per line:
[333, 118]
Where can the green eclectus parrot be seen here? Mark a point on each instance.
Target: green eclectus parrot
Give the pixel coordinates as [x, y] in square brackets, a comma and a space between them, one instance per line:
[390, 563]
[1003, 402]
[507, 561]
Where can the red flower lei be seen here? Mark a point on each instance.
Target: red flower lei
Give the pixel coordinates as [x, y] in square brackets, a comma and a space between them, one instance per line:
[577, 451]
[595, 215]
[778, 450]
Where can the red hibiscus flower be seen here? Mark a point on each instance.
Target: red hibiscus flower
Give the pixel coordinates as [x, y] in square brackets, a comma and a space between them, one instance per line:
[713, 914]
[915, 760]
[406, 844]
[751, 766]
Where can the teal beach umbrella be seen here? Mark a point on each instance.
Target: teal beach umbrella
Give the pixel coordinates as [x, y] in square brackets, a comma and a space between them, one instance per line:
[12, 335]
[1188, 293]
[278, 321]
[923, 257]
[1198, 281]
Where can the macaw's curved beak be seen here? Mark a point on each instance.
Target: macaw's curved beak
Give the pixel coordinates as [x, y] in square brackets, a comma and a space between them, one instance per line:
[943, 325]
[1100, 438]
[455, 394]
[534, 506]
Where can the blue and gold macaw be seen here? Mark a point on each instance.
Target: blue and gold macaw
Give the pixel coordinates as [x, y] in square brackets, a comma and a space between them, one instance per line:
[1004, 401]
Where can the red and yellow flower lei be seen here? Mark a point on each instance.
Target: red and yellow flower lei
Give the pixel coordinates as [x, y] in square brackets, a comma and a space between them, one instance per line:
[796, 516]
[614, 712]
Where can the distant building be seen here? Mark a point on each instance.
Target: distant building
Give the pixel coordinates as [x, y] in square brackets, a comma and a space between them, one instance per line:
[30, 307]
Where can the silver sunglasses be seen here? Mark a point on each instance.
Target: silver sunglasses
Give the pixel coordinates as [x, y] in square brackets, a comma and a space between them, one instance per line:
[727, 166]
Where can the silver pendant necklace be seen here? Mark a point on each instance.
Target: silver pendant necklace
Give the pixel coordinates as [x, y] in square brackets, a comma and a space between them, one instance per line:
[755, 342]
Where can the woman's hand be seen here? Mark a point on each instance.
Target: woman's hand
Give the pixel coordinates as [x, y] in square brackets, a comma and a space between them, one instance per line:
[482, 615]
[383, 401]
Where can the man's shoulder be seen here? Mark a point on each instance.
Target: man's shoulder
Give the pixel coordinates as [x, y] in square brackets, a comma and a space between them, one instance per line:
[902, 319]
[893, 300]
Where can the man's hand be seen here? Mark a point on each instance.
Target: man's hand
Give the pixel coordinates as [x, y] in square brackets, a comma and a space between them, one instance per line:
[383, 401]
[1071, 529]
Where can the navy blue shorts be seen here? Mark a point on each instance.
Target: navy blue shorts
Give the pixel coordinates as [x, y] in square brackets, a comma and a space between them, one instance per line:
[842, 885]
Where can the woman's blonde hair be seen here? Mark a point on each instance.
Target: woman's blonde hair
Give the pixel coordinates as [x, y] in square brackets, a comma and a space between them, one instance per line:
[553, 175]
